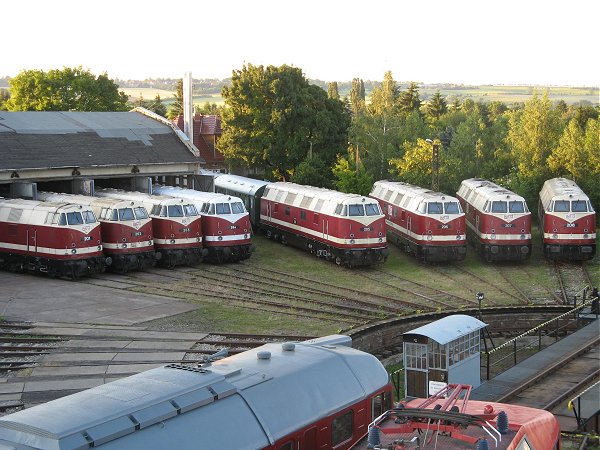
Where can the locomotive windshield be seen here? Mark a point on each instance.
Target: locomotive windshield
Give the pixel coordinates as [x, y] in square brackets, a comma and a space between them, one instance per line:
[223, 208]
[126, 214]
[561, 206]
[237, 208]
[499, 207]
[452, 208]
[190, 210]
[175, 210]
[140, 213]
[372, 209]
[89, 217]
[356, 210]
[516, 207]
[578, 206]
[77, 218]
[435, 208]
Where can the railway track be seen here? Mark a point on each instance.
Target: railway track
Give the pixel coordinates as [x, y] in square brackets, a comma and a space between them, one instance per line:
[572, 278]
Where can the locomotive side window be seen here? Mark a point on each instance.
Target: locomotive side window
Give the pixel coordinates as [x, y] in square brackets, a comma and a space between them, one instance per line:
[516, 207]
[341, 428]
[303, 215]
[141, 213]
[74, 218]
[63, 219]
[561, 206]
[499, 207]
[356, 210]
[377, 406]
[338, 209]
[435, 208]
[486, 206]
[578, 206]
[211, 210]
[451, 208]
[287, 210]
[372, 209]
[126, 214]
[237, 208]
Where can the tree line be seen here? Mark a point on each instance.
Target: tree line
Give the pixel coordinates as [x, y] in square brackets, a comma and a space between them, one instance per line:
[279, 124]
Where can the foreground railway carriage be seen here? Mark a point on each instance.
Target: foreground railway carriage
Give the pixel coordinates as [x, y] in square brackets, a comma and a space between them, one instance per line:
[225, 222]
[449, 420]
[125, 225]
[498, 220]
[318, 394]
[567, 221]
[60, 239]
[346, 228]
[176, 225]
[428, 224]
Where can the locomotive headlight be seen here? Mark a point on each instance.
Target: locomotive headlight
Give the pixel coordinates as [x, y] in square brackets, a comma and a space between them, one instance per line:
[380, 239]
[522, 236]
[429, 237]
[352, 241]
[74, 251]
[245, 236]
[555, 236]
[172, 241]
[586, 236]
[493, 236]
[99, 247]
[198, 239]
[458, 237]
[124, 245]
[220, 238]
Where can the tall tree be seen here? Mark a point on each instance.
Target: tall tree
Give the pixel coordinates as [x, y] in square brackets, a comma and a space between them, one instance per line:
[385, 97]
[158, 106]
[437, 106]
[176, 108]
[274, 119]
[533, 134]
[332, 91]
[357, 96]
[64, 90]
[409, 100]
[571, 156]
[351, 177]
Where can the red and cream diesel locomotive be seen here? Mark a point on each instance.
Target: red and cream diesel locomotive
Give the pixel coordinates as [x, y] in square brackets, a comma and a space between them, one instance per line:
[125, 226]
[498, 220]
[60, 239]
[346, 228]
[225, 222]
[428, 224]
[567, 221]
[176, 225]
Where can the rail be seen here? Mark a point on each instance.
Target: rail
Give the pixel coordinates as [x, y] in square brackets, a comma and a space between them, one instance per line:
[524, 345]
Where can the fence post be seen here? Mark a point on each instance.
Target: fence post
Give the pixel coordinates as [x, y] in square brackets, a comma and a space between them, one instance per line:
[539, 339]
[556, 332]
[487, 374]
[515, 351]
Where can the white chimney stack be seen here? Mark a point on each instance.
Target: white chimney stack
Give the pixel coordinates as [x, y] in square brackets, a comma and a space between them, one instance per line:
[188, 107]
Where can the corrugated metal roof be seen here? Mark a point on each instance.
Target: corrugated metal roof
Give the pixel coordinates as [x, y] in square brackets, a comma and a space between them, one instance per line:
[449, 328]
[48, 139]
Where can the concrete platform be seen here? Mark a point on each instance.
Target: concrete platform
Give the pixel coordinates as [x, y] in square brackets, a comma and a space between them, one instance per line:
[39, 298]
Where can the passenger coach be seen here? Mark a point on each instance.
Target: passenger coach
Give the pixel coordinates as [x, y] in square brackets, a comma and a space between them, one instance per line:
[498, 220]
[346, 228]
[225, 222]
[567, 221]
[428, 224]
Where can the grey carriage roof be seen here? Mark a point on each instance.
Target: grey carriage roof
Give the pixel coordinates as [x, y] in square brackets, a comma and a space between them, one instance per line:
[239, 184]
[51, 139]
[221, 408]
[449, 328]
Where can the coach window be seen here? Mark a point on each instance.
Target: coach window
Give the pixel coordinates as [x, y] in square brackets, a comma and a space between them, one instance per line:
[126, 214]
[561, 206]
[287, 446]
[303, 215]
[578, 206]
[175, 211]
[341, 428]
[498, 207]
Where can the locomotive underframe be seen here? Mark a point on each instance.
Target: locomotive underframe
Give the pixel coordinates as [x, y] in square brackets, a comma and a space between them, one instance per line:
[124, 262]
[569, 252]
[67, 268]
[349, 257]
[171, 257]
[432, 253]
[231, 253]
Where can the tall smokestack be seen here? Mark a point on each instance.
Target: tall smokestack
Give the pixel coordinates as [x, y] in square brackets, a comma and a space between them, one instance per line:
[188, 107]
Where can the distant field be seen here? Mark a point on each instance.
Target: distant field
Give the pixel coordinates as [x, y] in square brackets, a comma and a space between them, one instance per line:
[167, 97]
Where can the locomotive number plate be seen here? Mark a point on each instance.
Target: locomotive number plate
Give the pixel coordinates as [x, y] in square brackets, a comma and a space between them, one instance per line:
[233, 227]
[366, 229]
[86, 238]
[571, 225]
[508, 225]
[445, 226]
[184, 230]
[137, 233]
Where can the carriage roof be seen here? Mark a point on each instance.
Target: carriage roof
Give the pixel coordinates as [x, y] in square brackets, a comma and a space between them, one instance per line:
[243, 185]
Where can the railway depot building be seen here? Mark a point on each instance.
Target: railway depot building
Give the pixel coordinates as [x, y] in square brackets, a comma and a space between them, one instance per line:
[73, 151]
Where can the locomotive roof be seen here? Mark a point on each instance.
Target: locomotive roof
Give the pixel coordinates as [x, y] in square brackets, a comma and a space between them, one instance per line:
[192, 194]
[88, 200]
[415, 192]
[240, 184]
[562, 189]
[19, 203]
[448, 328]
[240, 402]
[138, 196]
[477, 191]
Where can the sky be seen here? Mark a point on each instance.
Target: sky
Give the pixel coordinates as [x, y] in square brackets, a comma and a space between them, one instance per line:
[538, 42]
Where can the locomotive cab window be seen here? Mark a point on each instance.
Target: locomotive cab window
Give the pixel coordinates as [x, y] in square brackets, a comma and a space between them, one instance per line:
[63, 219]
[356, 210]
[114, 215]
[341, 428]
[499, 207]
[126, 214]
[435, 208]
[578, 206]
[190, 210]
[561, 206]
[223, 208]
[88, 216]
[372, 209]
[516, 207]
[237, 208]
[451, 208]
[380, 404]
[175, 210]
[140, 213]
